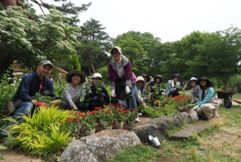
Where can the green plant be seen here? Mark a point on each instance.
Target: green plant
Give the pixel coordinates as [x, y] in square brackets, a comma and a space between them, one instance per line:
[88, 85]
[89, 120]
[59, 87]
[120, 113]
[42, 98]
[42, 133]
[132, 115]
[107, 114]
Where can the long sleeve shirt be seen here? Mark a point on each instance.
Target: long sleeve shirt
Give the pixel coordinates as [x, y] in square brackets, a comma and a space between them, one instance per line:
[30, 85]
[70, 93]
[195, 93]
[139, 99]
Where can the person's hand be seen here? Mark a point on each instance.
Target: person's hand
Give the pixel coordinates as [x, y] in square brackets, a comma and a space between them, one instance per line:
[77, 110]
[127, 89]
[113, 93]
[42, 104]
[198, 104]
[143, 104]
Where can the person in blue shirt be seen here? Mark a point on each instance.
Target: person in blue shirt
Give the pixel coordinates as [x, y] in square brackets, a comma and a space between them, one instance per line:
[31, 84]
[173, 86]
[208, 103]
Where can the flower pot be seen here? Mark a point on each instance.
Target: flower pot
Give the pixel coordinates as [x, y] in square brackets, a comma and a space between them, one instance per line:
[119, 125]
[108, 127]
[102, 122]
[88, 133]
[131, 123]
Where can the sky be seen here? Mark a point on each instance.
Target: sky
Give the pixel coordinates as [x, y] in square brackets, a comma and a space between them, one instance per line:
[170, 20]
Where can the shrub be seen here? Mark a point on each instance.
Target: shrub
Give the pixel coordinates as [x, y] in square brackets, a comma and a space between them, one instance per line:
[42, 133]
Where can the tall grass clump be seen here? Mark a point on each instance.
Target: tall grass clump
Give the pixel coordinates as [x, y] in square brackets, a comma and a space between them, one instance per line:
[42, 133]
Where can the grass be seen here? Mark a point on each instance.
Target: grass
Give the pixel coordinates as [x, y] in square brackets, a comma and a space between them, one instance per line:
[201, 147]
[237, 96]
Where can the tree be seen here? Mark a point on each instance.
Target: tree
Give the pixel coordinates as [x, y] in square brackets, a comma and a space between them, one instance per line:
[95, 44]
[74, 63]
[28, 41]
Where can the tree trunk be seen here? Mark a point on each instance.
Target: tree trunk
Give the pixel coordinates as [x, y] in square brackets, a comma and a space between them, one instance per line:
[91, 65]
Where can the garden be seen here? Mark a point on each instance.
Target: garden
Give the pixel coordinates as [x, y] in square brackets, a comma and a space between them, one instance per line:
[48, 130]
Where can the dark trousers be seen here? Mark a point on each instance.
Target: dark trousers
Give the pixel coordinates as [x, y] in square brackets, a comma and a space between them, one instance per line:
[173, 93]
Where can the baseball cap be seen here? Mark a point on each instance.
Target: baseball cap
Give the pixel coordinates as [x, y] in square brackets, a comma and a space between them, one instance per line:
[97, 75]
[46, 62]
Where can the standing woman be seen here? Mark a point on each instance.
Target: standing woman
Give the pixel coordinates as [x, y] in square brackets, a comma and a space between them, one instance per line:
[122, 79]
[74, 90]
[173, 86]
[195, 89]
[208, 103]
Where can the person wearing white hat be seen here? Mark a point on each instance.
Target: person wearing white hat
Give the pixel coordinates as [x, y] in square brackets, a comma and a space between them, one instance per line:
[139, 83]
[122, 79]
[99, 95]
[195, 89]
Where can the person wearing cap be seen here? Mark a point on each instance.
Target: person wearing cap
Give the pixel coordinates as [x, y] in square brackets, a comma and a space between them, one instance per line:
[97, 95]
[157, 81]
[122, 79]
[31, 84]
[195, 89]
[208, 103]
[74, 90]
[139, 84]
[173, 86]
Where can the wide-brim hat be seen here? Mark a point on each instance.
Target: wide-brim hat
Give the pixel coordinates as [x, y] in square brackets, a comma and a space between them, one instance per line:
[117, 48]
[208, 82]
[147, 77]
[73, 72]
[140, 78]
[158, 76]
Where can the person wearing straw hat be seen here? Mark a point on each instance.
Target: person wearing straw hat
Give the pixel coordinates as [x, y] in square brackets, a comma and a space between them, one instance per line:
[208, 104]
[122, 79]
[74, 90]
[173, 86]
[99, 95]
[195, 89]
[139, 83]
[157, 81]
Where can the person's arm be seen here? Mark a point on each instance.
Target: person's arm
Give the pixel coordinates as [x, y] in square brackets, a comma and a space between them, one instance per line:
[50, 87]
[67, 97]
[208, 97]
[139, 99]
[24, 89]
[111, 76]
[128, 73]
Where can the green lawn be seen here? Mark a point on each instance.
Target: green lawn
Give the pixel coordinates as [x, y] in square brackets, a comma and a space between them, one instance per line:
[237, 96]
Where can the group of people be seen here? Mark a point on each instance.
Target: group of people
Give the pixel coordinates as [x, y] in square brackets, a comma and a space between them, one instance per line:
[126, 88]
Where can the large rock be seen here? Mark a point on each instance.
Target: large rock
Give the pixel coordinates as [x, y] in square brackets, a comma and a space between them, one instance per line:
[157, 128]
[183, 117]
[193, 115]
[99, 146]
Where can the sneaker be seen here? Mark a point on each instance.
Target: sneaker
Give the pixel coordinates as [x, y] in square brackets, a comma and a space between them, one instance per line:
[137, 119]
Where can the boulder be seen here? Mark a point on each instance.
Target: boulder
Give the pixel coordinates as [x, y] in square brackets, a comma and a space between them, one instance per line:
[183, 117]
[193, 115]
[100, 146]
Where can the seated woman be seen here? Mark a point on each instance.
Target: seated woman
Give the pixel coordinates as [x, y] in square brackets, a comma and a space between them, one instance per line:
[98, 95]
[139, 83]
[195, 89]
[173, 86]
[208, 103]
[157, 81]
[74, 90]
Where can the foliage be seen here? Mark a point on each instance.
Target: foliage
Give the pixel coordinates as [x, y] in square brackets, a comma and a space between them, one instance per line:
[106, 114]
[59, 86]
[132, 115]
[72, 125]
[74, 63]
[104, 72]
[42, 133]
[120, 113]
[42, 98]
[95, 42]
[88, 85]
[37, 40]
[89, 120]
[7, 90]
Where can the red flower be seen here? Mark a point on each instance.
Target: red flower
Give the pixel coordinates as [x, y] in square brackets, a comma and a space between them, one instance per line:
[83, 115]
[76, 120]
